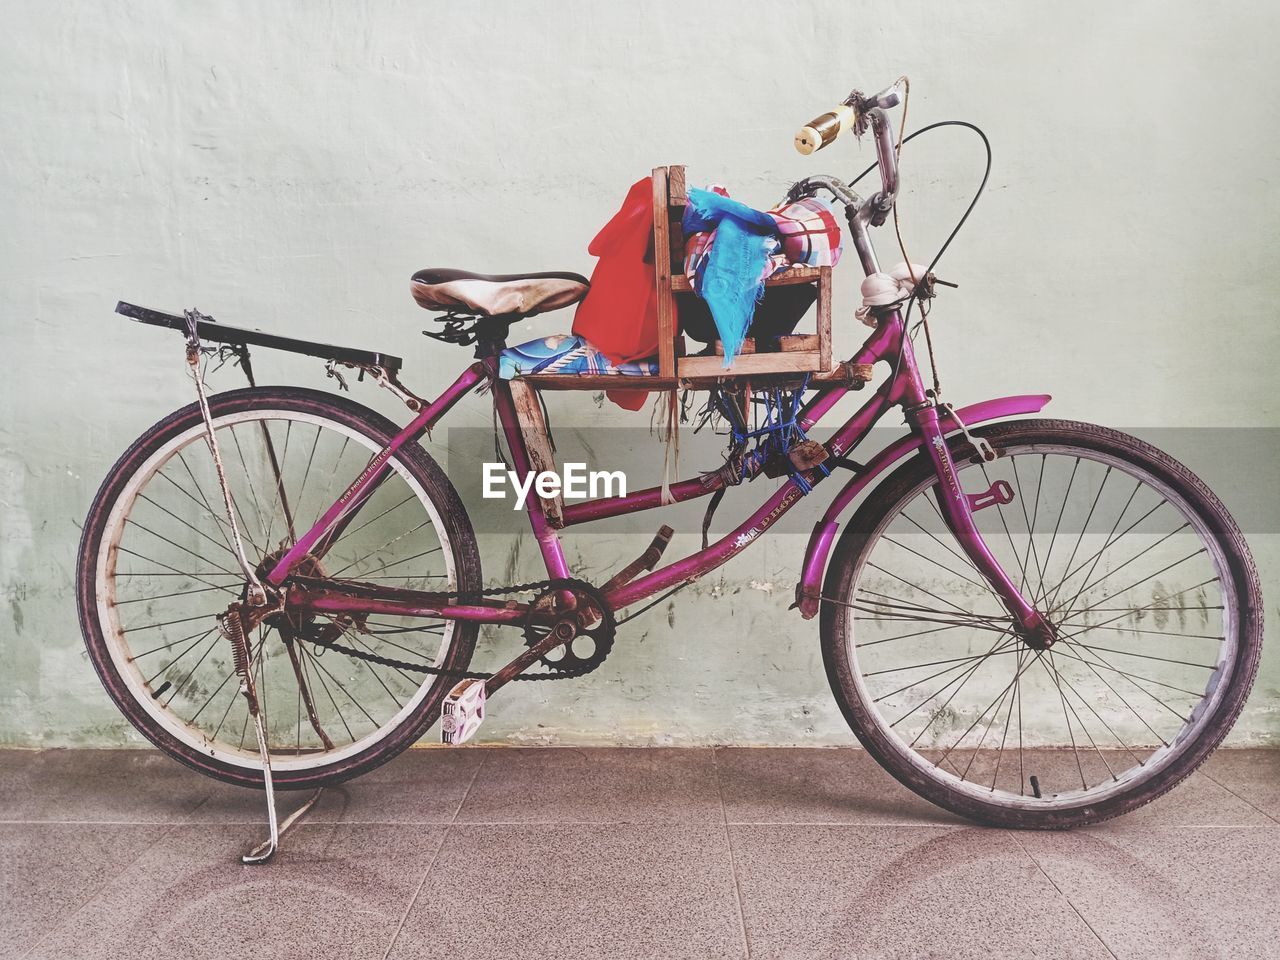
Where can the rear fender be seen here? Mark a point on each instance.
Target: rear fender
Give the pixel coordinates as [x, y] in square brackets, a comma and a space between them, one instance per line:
[809, 589]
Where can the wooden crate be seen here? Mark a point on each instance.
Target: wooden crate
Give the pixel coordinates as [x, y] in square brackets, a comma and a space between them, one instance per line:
[799, 354]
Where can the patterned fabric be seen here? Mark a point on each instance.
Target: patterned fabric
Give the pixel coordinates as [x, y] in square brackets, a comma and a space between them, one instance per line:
[566, 354]
[810, 232]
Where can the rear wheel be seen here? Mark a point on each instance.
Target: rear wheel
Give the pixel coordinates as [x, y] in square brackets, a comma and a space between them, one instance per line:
[1139, 567]
[156, 566]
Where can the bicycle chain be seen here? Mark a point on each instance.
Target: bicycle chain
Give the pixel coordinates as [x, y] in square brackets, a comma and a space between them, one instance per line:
[602, 635]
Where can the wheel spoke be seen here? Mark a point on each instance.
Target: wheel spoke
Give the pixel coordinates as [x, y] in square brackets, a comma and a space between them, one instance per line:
[1111, 538]
[911, 620]
[253, 491]
[393, 540]
[1057, 525]
[1062, 677]
[170, 649]
[203, 559]
[1136, 583]
[1017, 674]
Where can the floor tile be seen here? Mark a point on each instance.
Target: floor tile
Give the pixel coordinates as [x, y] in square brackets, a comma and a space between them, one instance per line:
[1197, 801]
[123, 786]
[333, 891]
[832, 785]
[900, 892]
[1252, 775]
[569, 891]
[1191, 892]
[419, 786]
[624, 785]
[48, 870]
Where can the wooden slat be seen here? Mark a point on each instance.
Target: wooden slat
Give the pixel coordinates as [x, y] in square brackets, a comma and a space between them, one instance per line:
[838, 373]
[748, 364]
[806, 342]
[533, 427]
[662, 275]
[824, 318]
[596, 381]
[677, 200]
[677, 195]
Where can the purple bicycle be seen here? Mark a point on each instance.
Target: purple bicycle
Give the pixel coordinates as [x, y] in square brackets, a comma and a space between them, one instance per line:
[280, 586]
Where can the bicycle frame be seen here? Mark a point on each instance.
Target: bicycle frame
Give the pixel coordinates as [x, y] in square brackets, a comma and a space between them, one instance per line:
[929, 425]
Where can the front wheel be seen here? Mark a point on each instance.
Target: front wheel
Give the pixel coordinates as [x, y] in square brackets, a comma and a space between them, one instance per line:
[156, 567]
[1145, 577]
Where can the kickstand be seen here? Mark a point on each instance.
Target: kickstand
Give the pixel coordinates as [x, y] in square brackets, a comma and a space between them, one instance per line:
[231, 624]
[267, 848]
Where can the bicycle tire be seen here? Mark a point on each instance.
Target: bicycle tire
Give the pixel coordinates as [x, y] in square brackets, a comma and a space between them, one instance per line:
[858, 539]
[353, 416]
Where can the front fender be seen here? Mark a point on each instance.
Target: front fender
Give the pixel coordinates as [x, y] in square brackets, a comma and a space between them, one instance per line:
[809, 589]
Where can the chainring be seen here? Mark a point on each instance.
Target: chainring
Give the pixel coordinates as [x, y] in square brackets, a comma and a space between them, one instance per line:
[568, 658]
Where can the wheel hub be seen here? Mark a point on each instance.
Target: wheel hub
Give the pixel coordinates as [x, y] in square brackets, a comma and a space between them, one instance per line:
[308, 566]
[1040, 637]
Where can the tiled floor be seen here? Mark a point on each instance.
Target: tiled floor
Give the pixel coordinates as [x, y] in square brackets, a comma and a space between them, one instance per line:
[621, 853]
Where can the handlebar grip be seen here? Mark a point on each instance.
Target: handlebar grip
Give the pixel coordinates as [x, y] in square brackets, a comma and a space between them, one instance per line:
[819, 132]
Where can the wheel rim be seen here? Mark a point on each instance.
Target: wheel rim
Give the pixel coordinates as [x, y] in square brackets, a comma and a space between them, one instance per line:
[1128, 687]
[154, 567]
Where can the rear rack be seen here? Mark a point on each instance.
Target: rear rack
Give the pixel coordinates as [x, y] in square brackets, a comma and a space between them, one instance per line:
[221, 333]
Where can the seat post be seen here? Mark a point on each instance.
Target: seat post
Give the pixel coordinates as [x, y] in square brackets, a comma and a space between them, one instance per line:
[491, 334]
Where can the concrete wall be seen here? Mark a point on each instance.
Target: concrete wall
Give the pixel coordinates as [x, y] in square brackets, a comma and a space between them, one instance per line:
[288, 165]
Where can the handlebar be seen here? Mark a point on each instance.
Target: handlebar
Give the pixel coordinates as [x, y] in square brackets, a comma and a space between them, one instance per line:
[820, 131]
[857, 113]
[852, 114]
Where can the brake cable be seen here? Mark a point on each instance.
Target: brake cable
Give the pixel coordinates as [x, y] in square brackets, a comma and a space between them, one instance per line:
[906, 319]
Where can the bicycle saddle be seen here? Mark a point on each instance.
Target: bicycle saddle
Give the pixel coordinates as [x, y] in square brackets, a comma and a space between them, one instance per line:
[493, 295]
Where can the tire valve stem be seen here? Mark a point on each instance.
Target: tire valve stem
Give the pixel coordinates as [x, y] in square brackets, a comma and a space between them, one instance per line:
[1035, 786]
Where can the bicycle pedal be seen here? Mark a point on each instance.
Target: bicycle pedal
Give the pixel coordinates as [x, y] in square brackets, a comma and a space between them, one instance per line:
[462, 713]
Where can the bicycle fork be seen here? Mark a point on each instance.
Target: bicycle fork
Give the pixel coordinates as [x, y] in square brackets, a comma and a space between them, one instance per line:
[957, 510]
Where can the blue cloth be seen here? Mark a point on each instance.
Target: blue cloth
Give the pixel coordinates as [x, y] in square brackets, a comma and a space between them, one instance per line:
[731, 278]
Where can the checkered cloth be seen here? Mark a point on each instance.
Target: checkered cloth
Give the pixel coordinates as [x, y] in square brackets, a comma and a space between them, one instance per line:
[810, 232]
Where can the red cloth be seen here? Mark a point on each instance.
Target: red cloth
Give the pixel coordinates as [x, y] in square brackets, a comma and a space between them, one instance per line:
[619, 315]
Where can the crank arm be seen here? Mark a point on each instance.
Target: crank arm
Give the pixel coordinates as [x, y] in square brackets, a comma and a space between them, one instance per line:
[563, 633]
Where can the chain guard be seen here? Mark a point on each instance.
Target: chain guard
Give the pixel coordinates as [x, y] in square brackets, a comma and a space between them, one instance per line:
[569, 666]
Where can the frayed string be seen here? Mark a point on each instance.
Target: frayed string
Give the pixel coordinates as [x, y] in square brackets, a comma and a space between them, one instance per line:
[664, 421]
